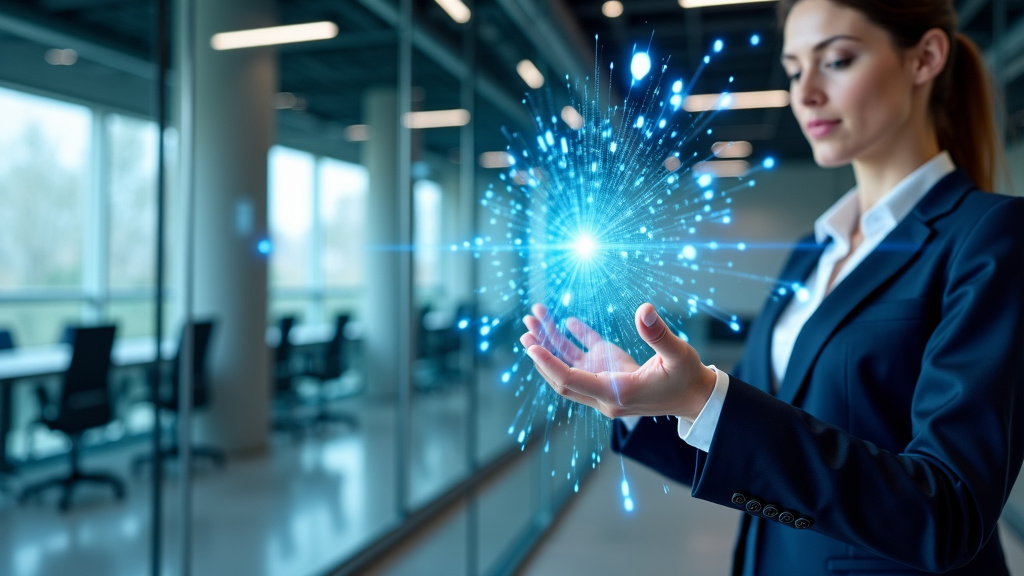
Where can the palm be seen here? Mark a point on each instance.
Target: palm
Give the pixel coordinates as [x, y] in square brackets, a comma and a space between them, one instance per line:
[596, 355]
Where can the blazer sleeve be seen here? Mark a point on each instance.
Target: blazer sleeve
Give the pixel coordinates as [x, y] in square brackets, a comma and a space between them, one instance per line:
[934, 505]
[655, 442]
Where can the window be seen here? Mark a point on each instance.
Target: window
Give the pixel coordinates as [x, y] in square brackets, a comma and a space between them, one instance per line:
[44, 155]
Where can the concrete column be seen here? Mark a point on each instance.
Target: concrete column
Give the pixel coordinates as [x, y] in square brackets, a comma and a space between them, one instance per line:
[234, 129]
[382, 314]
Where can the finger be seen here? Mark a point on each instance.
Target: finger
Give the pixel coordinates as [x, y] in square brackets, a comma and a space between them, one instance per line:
[532, 324]
[549, 337]
[653, 329]
[528, 340]
[565, 379]
[585, 334]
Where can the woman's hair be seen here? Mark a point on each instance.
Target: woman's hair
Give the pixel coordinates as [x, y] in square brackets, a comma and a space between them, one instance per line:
[962, 101]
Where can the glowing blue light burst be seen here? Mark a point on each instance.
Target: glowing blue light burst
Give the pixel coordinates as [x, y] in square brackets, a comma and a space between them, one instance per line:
[604, 206]
[640, 65]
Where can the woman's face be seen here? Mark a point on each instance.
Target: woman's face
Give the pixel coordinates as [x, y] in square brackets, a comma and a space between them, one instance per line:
[849, 87]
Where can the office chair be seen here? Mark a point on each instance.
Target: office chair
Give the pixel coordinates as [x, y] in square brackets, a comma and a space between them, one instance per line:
[84, 403]
[284, 377]
[6, 339]
[331, 365]
[168, 399]
[6, 343]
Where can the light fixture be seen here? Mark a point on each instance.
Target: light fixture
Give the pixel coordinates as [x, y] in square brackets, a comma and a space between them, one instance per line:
[612, 8]
[735, 149]
[357, 133]
[59, 57]
[455, 9]
[274, 35]
[436, 118]
[571, 117]
[530, 74]
[496, 159]
[722, 168]
[706, 3]
[736, 100]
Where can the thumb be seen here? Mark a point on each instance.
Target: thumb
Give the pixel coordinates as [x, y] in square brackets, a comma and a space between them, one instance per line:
[656, 333]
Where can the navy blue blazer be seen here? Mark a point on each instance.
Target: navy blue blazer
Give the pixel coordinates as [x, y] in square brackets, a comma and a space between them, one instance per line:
[896, 433]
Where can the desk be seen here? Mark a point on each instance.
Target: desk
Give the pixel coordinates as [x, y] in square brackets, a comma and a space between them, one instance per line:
[43, 361]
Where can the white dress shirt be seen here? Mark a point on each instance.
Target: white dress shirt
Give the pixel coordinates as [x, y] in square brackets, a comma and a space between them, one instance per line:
[837, 224]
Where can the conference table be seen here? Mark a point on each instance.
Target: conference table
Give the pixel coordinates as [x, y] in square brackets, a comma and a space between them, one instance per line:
[37, 362]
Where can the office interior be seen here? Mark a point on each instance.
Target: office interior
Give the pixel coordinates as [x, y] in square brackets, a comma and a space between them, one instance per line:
[283, 253]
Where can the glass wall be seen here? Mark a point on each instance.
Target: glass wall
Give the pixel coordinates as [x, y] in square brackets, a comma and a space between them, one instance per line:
[358, 462]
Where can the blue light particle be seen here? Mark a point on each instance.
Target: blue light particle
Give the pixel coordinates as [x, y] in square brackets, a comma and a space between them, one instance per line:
[755, 39]
[264, 247]
[718, 46]
[768, 163]
[463, 324]
[640, 65]
[484, 346]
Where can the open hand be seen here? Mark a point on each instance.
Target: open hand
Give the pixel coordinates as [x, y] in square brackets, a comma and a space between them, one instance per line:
[604, 377]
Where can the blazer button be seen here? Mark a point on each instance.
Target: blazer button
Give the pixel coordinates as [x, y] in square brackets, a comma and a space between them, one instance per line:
[786, 517]
[739, 499]
[770, 511]
[802, 523]
[753, 505]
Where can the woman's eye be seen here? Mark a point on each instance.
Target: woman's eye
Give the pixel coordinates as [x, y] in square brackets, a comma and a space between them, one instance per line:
[839, 64]
[794, 77]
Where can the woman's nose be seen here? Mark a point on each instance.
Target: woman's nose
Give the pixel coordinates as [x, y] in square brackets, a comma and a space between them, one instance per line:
[807, 91]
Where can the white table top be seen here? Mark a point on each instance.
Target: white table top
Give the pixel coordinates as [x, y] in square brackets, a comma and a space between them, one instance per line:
[38, 361]
[50, 360]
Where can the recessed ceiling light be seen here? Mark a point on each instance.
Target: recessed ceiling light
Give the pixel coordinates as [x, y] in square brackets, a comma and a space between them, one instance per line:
[612, 8]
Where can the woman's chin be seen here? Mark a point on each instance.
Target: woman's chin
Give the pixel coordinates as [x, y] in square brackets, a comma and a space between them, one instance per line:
[829, 159]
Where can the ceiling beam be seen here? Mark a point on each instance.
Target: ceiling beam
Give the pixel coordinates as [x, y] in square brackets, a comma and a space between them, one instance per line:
[553, 33]
[61, 5]
[969, 10]
[1006, 50]
[451, 61]
[50, 32]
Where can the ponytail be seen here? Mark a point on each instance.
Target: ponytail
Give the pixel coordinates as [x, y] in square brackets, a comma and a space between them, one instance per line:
[963, 111]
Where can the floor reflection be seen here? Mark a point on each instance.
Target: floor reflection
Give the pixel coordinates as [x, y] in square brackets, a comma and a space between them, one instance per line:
[297, 509]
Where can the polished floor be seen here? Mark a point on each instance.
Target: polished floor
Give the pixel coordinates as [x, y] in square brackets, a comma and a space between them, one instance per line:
[668, 533]
[296, 509]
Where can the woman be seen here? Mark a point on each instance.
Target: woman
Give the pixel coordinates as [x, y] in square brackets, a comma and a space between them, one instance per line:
[873, 426]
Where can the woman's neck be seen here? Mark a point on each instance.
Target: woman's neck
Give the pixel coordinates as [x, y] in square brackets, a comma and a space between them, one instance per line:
[877, 176]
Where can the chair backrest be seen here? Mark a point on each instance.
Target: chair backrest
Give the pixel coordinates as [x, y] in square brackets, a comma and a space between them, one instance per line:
[201, 333]
[85, 396]
[6, 339]
[281, 368]
[334, 354]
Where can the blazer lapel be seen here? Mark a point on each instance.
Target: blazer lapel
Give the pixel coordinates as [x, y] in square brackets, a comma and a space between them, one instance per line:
[804, 259]
[885, 261]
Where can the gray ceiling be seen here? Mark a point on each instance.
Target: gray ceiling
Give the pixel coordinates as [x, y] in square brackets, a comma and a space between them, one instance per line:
[114, 42]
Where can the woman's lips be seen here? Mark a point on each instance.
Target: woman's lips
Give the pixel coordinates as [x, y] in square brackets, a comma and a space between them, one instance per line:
[821, 128]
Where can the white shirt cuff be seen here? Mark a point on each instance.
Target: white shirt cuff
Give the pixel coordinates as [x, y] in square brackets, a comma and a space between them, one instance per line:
[698, 433]
[630, 422]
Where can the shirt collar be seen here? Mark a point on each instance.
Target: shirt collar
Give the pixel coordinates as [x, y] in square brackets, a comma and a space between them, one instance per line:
[880, 219]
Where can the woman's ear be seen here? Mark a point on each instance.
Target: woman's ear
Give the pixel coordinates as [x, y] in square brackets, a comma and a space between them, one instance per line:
[929, 56]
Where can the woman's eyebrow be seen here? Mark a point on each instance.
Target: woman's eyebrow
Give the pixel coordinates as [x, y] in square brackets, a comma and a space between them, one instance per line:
[823, 44]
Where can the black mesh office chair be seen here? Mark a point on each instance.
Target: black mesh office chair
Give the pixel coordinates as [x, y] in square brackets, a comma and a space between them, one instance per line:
[329, 366]
[6, 339]
[84, 403]
[6, 343]
[284, 391]
[169, 395]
